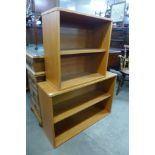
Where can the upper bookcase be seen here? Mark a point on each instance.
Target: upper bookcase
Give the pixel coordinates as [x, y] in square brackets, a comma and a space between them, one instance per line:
[76, 47]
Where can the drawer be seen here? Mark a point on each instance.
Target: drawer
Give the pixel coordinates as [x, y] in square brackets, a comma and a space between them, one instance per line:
[33, 80]
[34, 95]
[37, 107]
[36, 64]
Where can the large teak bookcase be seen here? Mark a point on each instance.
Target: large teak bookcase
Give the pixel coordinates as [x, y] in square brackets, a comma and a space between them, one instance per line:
[65, 113]
[78, 89]
[76, 47]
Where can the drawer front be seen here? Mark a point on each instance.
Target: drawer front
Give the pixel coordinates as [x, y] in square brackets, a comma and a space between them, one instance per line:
[34, 94]
[35, 98]
[33, 80]
[29, 62]
[37, 65]
[40, 78]
[37, 107]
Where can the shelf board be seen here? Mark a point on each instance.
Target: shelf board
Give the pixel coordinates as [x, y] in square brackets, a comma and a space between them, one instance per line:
[70, 107]
[74, 125]
[80, 80]
[81, 51]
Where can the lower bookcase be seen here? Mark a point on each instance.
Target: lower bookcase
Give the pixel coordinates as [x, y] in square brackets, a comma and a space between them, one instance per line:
[65, 113]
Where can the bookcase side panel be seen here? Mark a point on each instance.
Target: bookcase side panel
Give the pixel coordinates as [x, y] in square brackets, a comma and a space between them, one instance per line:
[104, 35]
[47, 115]
[51, 41]
[108, 86]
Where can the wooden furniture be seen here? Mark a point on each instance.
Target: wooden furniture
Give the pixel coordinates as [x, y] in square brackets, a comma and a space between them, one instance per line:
[65, 113]
[119, 37]
[35, 58]
[36, 73]
[33, 11]
[78, 90]
[76, 47]
[124, 68]
[113, 61]
[27, 82]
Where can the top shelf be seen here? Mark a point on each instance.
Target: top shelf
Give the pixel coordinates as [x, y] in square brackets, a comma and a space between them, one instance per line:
[81, 51]
[70, 18]
[76, 13]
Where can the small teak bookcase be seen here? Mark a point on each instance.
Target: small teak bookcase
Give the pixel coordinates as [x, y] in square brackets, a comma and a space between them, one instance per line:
[76, 47]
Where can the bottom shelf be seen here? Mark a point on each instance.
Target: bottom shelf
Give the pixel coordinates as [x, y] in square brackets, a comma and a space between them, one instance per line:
[73, 125]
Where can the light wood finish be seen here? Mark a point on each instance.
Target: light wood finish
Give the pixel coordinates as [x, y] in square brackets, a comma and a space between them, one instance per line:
[79, 80]
[76, 125]
[108, 86]
[106, 30]
[80, 66]
[47, 115]
[67, 52]
[68, 112]
[51, 41]
[75, 105]
[76, 45]
[51, 91]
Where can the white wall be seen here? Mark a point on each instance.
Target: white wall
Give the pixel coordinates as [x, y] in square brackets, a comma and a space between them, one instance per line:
[87, 6]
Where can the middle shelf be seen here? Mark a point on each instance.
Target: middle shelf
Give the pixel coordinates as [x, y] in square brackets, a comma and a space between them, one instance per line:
[78, 68]
[80, 51]
[72, 106]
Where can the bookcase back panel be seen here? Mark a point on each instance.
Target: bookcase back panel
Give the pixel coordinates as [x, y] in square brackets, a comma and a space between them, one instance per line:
[76, 38]
[73, 66]
[73, 94]
[107, 85]
[80, 20]
[97, 88]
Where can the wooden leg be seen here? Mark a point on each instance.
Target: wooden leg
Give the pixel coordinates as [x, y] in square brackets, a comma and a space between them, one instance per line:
[40, 124]
[123, 79]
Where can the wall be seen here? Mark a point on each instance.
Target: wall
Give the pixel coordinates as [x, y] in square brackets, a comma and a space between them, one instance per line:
[88, 6]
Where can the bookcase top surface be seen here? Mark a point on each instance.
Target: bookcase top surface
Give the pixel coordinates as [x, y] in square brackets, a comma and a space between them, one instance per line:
[51, 91]
[75, 13]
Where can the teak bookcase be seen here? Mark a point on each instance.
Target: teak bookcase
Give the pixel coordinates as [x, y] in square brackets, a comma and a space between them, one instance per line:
[65, 113]
[76, 47]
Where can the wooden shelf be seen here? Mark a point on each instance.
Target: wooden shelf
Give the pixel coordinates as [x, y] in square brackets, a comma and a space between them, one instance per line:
[78, 91]
[66, 113]
[70, 107]
[81, 51]
[74, 125]
[79, 80]
[74, 43]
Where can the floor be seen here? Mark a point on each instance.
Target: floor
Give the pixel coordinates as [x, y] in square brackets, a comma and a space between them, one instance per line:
[109, 136]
